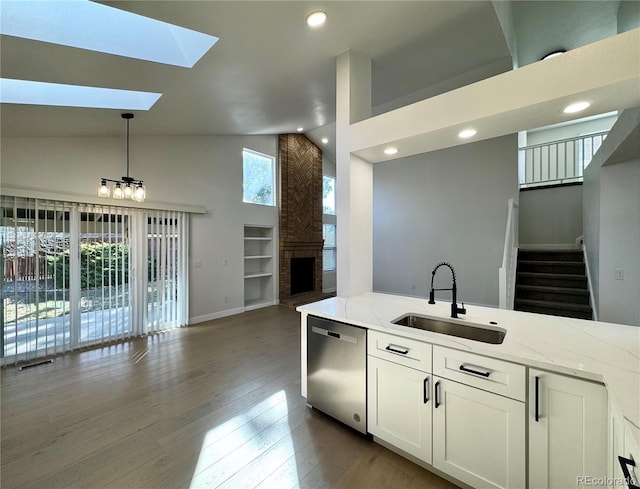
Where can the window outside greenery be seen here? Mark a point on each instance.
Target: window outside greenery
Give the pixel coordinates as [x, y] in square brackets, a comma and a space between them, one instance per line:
[329, 250]
[258, 178]
[329, 195]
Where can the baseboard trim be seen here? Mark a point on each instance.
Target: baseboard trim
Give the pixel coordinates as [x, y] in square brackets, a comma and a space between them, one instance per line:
[216, 315]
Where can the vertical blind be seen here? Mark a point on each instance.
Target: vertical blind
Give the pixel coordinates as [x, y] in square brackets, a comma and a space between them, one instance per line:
[77, 275]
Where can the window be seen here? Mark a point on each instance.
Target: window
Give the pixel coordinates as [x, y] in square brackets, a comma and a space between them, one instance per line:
[329, 195]
[329, 250]
[258, 178]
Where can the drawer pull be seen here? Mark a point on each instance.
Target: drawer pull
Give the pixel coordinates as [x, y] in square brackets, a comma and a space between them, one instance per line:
[537, 400]
[397, 349]
[436, 389]
[624, 465]
[486, 373]
[425, 387]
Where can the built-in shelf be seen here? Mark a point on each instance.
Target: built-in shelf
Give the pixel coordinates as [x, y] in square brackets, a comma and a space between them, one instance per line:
[258, 267]
[256, 304]
[258, 275]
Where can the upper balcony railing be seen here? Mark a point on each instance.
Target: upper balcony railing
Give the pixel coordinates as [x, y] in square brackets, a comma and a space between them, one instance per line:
[557, 162]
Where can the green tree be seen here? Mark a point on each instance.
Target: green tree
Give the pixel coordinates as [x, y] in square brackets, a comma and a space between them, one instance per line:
[101, 264]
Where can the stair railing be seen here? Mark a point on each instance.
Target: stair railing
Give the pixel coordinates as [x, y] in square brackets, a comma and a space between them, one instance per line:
[592, 297]
[557, 162]
[507, 272]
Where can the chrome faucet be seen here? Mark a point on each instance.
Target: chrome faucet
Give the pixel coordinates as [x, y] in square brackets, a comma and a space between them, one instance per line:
[455, 310]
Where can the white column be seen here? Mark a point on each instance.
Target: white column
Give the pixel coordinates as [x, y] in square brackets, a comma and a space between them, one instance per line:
[354, 179]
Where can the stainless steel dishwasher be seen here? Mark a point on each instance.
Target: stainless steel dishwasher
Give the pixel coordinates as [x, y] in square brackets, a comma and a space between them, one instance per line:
[337, 370]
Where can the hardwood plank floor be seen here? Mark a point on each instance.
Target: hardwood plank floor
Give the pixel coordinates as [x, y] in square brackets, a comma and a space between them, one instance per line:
[214, 405]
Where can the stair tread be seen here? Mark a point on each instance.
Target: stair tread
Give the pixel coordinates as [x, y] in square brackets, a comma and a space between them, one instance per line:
[548, 288]
[551, 275]
[549, 252]
[553, 305]
[551, 262]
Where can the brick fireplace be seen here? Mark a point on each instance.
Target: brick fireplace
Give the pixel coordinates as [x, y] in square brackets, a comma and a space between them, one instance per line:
[300, 245]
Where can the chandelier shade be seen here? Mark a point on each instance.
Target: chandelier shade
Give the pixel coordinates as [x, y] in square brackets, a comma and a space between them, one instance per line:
[127, 187]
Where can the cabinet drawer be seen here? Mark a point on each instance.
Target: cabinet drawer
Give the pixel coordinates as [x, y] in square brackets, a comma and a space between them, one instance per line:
[504, 378]
[403, 351]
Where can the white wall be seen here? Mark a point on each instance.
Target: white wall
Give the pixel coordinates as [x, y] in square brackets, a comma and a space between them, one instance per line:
[611, 210]
[619, 300]
[591, 225]
[550, 216]
[447, 205]
[197, 170]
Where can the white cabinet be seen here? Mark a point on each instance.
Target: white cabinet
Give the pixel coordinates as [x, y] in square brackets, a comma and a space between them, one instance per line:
[399, 397]
[567, 430]
[631, 452]
[615, 446]
[478, 435]
[399, 407]
[623, 455]
[258, 267]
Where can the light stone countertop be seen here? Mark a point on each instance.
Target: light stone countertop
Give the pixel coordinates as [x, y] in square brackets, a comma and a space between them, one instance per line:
[598, 351]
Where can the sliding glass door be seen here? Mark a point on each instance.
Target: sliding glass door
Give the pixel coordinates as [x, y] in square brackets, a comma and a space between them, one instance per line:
[80, 275]
[105, 278]
[36, 302]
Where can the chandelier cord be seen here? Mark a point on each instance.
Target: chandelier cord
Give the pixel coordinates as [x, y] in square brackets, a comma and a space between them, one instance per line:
[128, 147]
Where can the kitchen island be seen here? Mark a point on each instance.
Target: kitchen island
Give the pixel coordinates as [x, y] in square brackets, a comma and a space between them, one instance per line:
[589, 350]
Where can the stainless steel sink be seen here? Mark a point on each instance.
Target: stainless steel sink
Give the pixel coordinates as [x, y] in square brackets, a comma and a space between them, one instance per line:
[486, 334]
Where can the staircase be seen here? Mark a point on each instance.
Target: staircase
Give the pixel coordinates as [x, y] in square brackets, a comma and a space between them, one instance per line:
[552, 282]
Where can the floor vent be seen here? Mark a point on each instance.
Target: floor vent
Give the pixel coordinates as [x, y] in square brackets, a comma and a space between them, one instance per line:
[37, 364]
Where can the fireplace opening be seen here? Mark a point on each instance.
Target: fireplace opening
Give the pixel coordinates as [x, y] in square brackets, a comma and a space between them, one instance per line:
[302, 274]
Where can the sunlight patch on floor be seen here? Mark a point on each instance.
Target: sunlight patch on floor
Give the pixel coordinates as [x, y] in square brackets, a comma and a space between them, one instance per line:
[243, 450]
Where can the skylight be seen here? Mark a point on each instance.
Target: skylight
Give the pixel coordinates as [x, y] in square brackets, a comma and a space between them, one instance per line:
[96, 27]
[41, 93]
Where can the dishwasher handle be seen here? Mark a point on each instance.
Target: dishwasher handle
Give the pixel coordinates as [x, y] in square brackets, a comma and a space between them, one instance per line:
[333, 334]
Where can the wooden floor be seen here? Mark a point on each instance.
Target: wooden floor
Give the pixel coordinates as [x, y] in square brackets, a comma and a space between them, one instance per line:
[213, 405]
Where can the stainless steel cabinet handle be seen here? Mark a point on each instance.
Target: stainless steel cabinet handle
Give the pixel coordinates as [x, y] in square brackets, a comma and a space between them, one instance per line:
[425, 390]
[624, 465]
[437, 394]
[397, 349]
[484, 373]
[537, 399]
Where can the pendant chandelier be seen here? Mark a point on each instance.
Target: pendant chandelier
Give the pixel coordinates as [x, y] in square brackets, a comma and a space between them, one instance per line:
[127, 187]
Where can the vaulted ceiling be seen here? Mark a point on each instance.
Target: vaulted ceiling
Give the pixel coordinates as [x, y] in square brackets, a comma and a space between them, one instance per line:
[271, 74]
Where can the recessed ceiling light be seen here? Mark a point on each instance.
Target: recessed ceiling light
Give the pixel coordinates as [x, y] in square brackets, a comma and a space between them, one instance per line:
[28, 92]
[554, 54]
[325, 140]
[300, 129]
[390, 150]
[577, 107]
[316, 19]
[467, 133]
[96, 27]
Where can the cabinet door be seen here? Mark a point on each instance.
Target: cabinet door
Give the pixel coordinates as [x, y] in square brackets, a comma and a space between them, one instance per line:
[567, 430]
[478, 437]
[631, 452]
[615, 447]
[399, 406]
